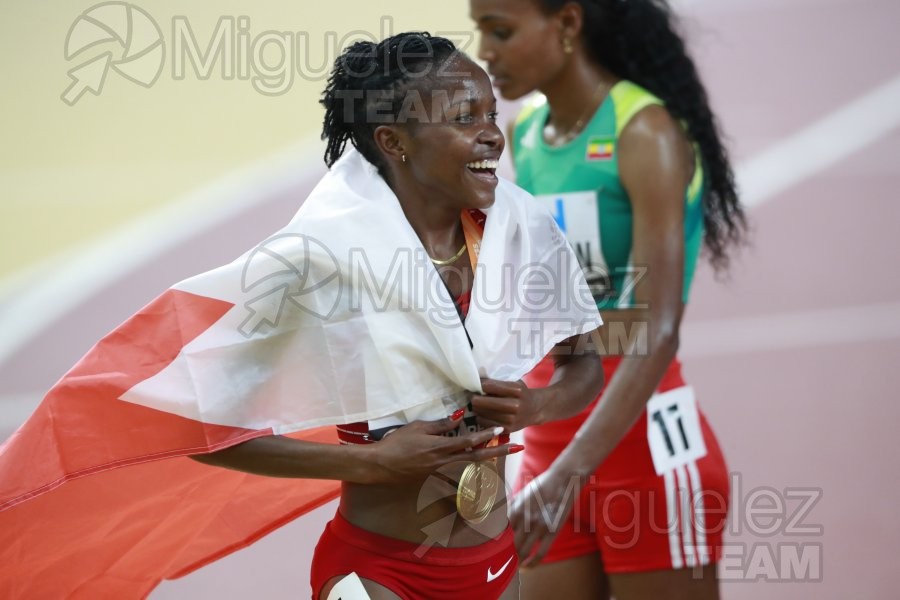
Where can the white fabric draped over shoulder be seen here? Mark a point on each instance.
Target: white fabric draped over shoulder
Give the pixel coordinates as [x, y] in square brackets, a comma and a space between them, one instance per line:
[341, 317]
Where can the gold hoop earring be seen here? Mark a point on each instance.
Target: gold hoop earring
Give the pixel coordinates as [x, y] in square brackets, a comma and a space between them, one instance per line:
[567, 45]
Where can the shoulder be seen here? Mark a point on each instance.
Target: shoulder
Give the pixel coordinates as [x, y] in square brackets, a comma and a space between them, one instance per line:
[640, 114]
[654, 143]
[628, 100]
[642, 119]
[533, 110]
[652, 123]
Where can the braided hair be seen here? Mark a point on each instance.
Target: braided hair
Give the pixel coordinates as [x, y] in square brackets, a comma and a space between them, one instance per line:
[637, 40]
[367, 85]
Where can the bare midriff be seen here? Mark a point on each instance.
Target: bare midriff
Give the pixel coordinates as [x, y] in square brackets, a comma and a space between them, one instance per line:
[394, 510]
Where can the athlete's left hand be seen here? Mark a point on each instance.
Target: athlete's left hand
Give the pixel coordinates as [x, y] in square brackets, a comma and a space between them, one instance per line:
[539, 510]
[508, 404]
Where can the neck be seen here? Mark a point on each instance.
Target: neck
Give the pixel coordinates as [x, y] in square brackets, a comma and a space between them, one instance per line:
[438, 227]
[577, 92]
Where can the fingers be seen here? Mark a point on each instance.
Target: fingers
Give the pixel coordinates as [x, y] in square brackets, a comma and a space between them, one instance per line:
[443, 425]
[537, 557]
[487, 423]
[471, 446]
[526, 550]
[504, 389]
[505, 403]
[494, 452]
[527, 530]
[510, 413]
[471, 440]
[533, 537]
[505, 412]
[488, 404]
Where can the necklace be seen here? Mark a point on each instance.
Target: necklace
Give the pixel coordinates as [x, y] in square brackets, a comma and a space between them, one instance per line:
[582, 120]
[453, 258]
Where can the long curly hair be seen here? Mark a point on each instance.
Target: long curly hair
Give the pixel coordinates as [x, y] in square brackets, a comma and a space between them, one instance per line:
[637, 40]
[366, 80]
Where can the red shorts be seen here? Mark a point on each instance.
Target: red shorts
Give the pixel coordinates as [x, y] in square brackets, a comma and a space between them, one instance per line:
[479, 572]
[658, 501]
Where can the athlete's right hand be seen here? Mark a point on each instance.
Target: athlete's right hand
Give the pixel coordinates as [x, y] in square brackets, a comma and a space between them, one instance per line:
[420, 448]
[538, 510]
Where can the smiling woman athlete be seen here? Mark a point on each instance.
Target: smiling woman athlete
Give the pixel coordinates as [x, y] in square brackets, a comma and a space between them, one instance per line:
[422, 119]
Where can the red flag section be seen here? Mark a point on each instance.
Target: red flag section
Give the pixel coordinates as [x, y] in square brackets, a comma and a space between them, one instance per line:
[75, 523]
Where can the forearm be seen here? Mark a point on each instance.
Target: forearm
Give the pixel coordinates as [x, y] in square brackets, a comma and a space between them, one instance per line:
[577, 380]
[278, 456]
[626, 396]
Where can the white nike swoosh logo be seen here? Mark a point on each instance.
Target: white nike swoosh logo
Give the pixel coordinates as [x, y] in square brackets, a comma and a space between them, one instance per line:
[493, 576]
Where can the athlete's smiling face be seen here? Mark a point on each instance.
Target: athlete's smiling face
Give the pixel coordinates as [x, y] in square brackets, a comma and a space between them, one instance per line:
[521, 44]
[454, 150]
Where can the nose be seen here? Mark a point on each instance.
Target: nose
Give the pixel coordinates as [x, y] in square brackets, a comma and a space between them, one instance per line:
[492, 136]
[485, 52]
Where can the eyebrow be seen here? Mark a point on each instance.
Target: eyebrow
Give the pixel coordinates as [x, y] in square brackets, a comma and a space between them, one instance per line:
[470, 99]
[489, 18]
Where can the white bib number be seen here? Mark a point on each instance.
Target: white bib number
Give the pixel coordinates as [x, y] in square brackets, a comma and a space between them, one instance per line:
[577, 215]
[673, 429]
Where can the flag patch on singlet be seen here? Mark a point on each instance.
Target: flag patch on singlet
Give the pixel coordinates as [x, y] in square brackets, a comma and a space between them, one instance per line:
[600, 148]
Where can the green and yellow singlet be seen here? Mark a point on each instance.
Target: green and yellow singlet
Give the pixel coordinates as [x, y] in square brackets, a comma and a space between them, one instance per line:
[579, 182]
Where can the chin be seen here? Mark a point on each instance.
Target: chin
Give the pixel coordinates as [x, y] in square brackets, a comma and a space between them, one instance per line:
[510, 91]
[483, 201]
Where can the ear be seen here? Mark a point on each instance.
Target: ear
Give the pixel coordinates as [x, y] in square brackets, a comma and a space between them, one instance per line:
[392, 142]
[571, 20]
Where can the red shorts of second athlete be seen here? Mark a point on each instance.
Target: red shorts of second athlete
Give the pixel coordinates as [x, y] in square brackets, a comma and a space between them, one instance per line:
[640, 512]
[411, 571]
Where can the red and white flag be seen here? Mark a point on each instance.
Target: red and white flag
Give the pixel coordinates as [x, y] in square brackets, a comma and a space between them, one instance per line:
[340, 317]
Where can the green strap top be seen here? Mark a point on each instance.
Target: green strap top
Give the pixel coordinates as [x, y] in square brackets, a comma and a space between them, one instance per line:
[579, 182]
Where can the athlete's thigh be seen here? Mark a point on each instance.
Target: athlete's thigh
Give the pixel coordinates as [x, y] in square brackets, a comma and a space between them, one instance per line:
[573, 579]
[700, 583]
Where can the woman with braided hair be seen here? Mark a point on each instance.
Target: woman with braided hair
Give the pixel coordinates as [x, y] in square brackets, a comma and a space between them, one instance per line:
[623, 148]
[421, 119]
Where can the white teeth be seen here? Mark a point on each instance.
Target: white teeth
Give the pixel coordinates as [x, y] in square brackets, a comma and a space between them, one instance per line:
[484, 164]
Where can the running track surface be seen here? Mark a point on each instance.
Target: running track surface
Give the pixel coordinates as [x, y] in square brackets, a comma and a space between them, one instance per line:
[794, 359]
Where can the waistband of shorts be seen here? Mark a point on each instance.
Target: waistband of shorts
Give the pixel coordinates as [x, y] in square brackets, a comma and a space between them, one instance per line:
[418, 553]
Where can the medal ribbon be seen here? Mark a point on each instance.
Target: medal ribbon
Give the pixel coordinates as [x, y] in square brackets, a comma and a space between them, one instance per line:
[473, 232]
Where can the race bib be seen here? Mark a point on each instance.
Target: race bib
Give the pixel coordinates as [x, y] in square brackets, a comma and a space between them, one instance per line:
[577, 215]
[673, 429]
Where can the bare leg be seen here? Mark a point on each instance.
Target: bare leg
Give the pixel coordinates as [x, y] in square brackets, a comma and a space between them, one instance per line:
[573, 579]
[682, 584]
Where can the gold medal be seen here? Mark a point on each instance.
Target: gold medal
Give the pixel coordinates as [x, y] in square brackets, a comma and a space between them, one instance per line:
[477, 491]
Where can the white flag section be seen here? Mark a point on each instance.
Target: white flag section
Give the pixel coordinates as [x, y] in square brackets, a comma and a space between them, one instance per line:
[341, 316]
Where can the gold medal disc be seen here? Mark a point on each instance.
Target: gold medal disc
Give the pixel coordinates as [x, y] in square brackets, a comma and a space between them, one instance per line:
[477, 491]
